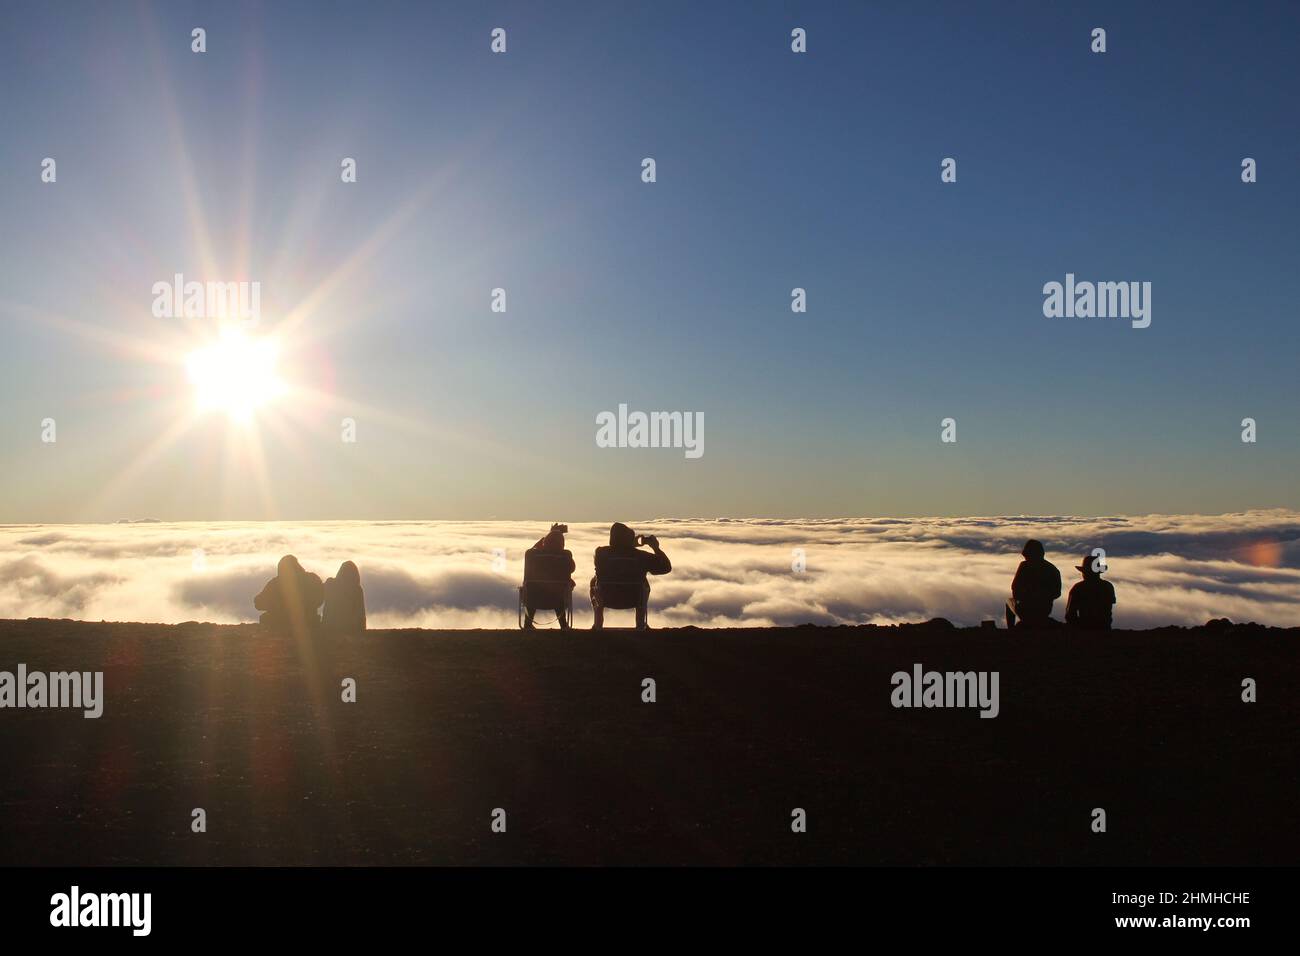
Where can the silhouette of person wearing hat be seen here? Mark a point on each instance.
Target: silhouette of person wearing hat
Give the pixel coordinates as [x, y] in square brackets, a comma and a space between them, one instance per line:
[1090, 600]
[1036, 585]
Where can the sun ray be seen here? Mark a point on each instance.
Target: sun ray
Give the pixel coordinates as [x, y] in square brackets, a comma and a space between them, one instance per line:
[141, 461]
[124, 345]
[435, 432]
[184, 164]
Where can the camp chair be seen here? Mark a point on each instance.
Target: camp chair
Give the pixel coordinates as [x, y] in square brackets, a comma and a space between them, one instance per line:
[546, 585]
[620, 584]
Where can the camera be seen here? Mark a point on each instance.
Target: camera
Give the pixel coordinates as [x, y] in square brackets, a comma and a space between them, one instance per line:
[561, 528]
[646, 540]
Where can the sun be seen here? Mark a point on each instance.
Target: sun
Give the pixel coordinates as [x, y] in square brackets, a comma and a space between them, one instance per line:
[235, 374]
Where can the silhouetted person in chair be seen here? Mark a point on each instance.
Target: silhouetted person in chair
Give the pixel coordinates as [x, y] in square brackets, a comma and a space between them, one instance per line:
[1090, 601]
[548, 578]
[290, 599]
[1036, 585]
[621, 570]
[345, 602]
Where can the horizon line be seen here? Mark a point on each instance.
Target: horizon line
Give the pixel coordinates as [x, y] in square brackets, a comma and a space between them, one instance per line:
[1281, 509]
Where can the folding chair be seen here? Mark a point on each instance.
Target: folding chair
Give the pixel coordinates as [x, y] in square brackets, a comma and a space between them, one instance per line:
[546, 586]
[620, 585]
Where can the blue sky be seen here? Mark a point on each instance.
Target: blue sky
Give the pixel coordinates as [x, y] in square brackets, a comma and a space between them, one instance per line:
[775, 170]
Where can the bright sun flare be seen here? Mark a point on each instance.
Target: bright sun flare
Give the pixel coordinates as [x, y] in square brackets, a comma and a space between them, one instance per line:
[235, 375]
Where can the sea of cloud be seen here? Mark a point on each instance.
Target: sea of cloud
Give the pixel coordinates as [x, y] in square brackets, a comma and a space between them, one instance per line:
[1167, 569]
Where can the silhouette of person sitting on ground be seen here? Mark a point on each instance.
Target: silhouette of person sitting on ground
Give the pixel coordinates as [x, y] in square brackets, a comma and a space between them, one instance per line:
[621, 569]
[548, 578]
[290, 599]
[345, 602]
[1036, 585]
[1090, 601]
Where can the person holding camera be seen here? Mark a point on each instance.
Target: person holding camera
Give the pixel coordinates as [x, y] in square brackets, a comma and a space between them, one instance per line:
[621, 569]
[548, 581]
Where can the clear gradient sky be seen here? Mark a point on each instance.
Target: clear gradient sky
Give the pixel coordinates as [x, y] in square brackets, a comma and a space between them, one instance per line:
[775, 170]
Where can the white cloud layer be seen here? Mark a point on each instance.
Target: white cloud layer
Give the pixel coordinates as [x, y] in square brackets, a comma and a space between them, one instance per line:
[1167, 569]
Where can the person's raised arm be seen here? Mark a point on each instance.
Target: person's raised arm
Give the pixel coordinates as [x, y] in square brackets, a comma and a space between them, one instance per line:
[658, 562]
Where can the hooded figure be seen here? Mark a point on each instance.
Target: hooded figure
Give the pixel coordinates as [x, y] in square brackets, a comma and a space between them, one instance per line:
[1090, 601]
[622, 568]
[290, 599]
[1036, 586]
[548, 581]
[345, 602]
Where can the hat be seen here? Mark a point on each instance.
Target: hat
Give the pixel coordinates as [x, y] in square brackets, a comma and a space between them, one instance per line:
[1086, 564]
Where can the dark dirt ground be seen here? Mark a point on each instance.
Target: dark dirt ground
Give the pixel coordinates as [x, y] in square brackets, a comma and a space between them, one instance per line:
[749, 724]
